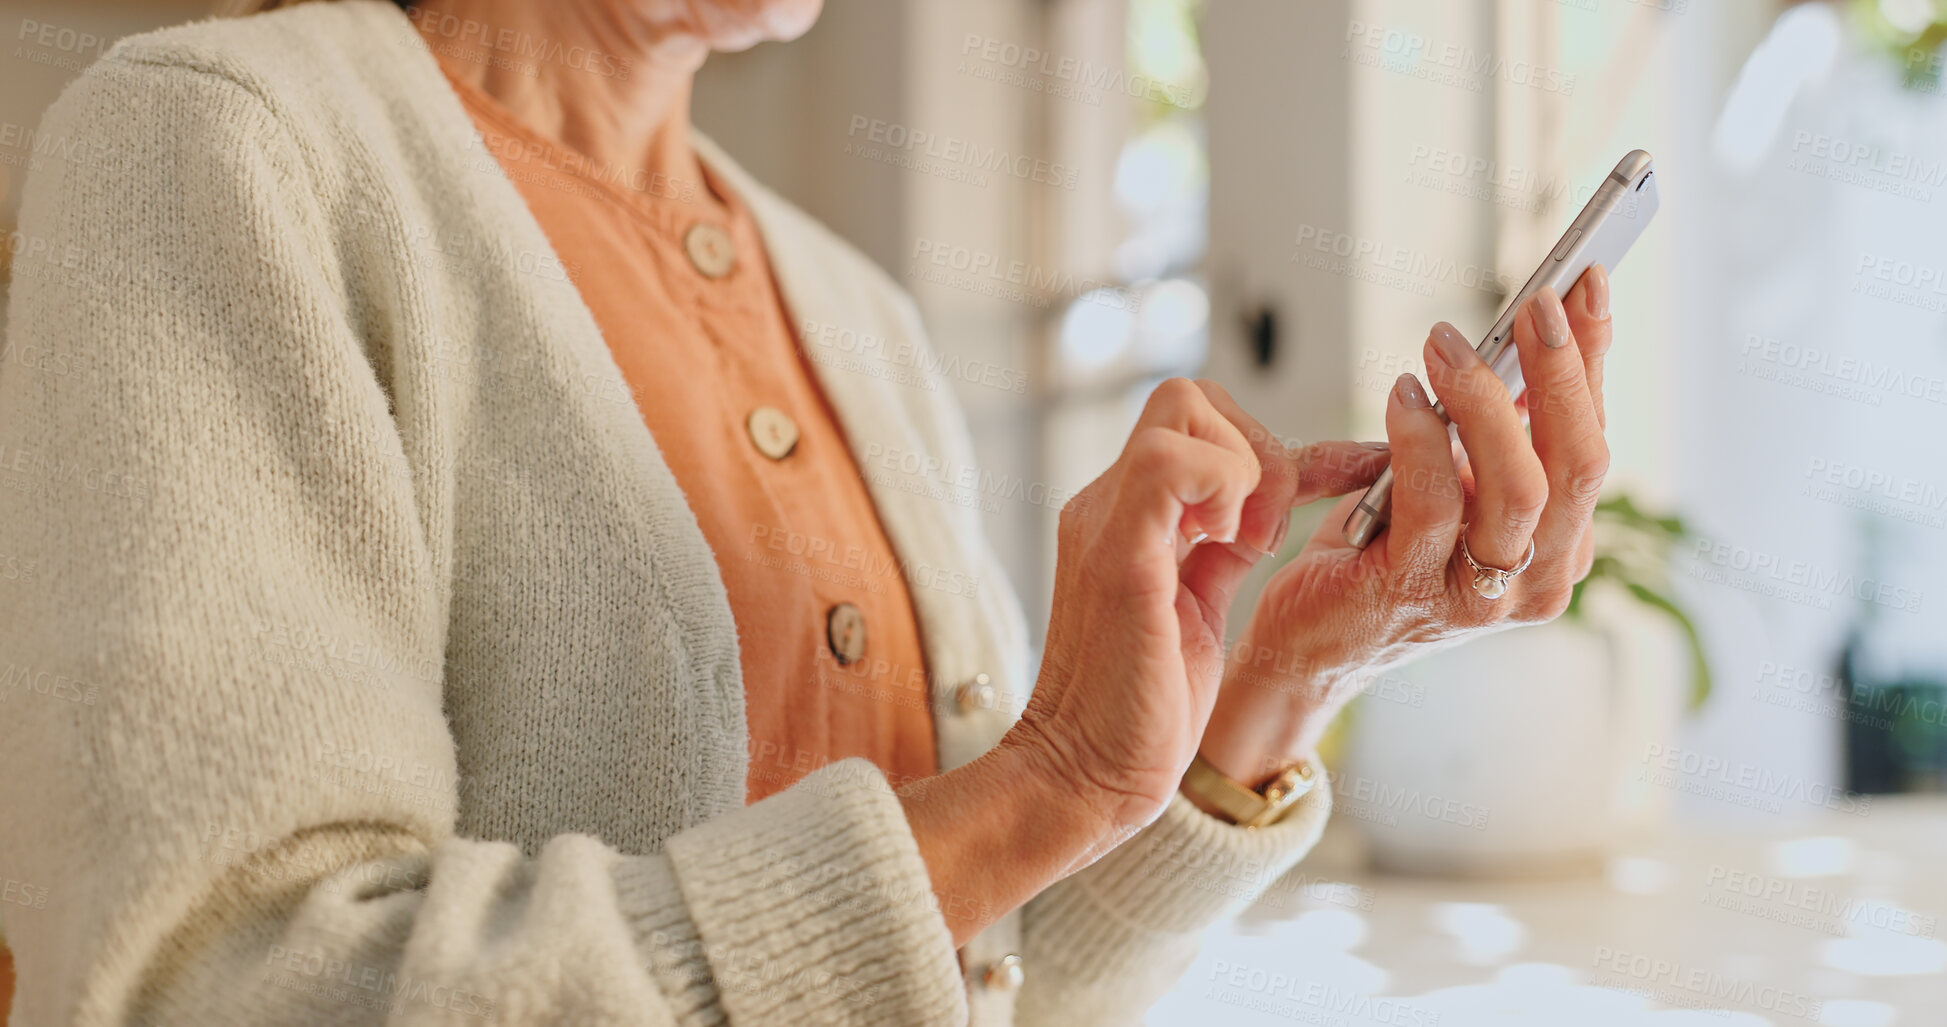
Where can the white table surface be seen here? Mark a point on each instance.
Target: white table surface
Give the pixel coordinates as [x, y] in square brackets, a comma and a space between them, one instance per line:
[1826, 921]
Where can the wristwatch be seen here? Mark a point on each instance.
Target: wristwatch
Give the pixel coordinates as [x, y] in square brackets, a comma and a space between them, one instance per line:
[1250, 807]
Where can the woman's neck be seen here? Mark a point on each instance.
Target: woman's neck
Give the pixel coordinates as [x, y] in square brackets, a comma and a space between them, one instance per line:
[609, 79]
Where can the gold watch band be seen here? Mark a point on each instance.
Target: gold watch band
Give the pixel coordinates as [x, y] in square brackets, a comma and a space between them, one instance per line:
[1249, 807]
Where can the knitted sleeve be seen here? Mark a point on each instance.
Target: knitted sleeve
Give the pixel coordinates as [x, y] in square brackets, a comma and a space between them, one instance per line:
[1106, 943]
[197, 460]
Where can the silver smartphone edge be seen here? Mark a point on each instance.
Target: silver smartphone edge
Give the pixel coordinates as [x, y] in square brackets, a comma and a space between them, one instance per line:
[1630, 186]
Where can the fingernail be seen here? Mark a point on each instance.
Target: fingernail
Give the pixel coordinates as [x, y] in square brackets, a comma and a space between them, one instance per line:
[1596, 299]
[1452, 346]
[1199, 538]
[1263, 538]
[1411, 396]
[1382, 446]
[1277, 537]
[1554, 321]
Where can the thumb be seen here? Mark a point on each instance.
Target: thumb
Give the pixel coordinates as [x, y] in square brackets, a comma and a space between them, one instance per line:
[1335, 468]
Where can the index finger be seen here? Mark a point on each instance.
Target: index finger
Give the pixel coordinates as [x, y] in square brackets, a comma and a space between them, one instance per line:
[1292, 476]
[1587, 305]
[1182, 406]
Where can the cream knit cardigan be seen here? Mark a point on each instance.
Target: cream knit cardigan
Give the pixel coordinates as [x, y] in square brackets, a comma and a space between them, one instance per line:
[362, 662]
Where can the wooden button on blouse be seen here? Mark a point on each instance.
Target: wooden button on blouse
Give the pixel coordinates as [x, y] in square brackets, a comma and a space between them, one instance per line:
[773, 432]
[845, 630]
[710, 249]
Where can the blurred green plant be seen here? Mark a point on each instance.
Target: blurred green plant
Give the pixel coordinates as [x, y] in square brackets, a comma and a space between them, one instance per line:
[1165, 48]
[1632, 551]
[1910, 32]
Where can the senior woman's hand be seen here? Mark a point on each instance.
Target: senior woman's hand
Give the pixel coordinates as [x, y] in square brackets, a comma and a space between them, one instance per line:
[1337, 615]
[1134, 654]
[1135, 638]
[1134, 649]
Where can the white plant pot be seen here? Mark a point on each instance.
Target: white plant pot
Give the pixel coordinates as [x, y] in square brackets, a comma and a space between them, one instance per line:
[1511, 754]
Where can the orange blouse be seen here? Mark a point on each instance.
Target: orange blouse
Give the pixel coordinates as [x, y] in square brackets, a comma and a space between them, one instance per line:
[679, 284]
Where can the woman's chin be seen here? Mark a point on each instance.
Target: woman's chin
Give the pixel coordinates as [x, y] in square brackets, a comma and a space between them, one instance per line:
[762, 21]
[790, 19]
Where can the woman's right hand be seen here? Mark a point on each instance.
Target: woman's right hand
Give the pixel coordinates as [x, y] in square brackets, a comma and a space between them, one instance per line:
[1134, 656]
[1135, 640]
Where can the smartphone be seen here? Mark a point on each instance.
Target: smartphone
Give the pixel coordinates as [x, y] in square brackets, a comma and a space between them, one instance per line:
[1601, 234]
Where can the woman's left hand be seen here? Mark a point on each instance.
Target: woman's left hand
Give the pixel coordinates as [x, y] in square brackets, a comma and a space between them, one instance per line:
[1329, 621]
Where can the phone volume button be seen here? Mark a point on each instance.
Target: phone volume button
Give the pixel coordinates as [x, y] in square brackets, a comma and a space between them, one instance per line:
[1567, 243]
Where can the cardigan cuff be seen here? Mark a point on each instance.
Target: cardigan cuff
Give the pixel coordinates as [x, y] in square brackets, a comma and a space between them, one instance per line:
[646, 891]
[814, 906]
[1176, 876]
